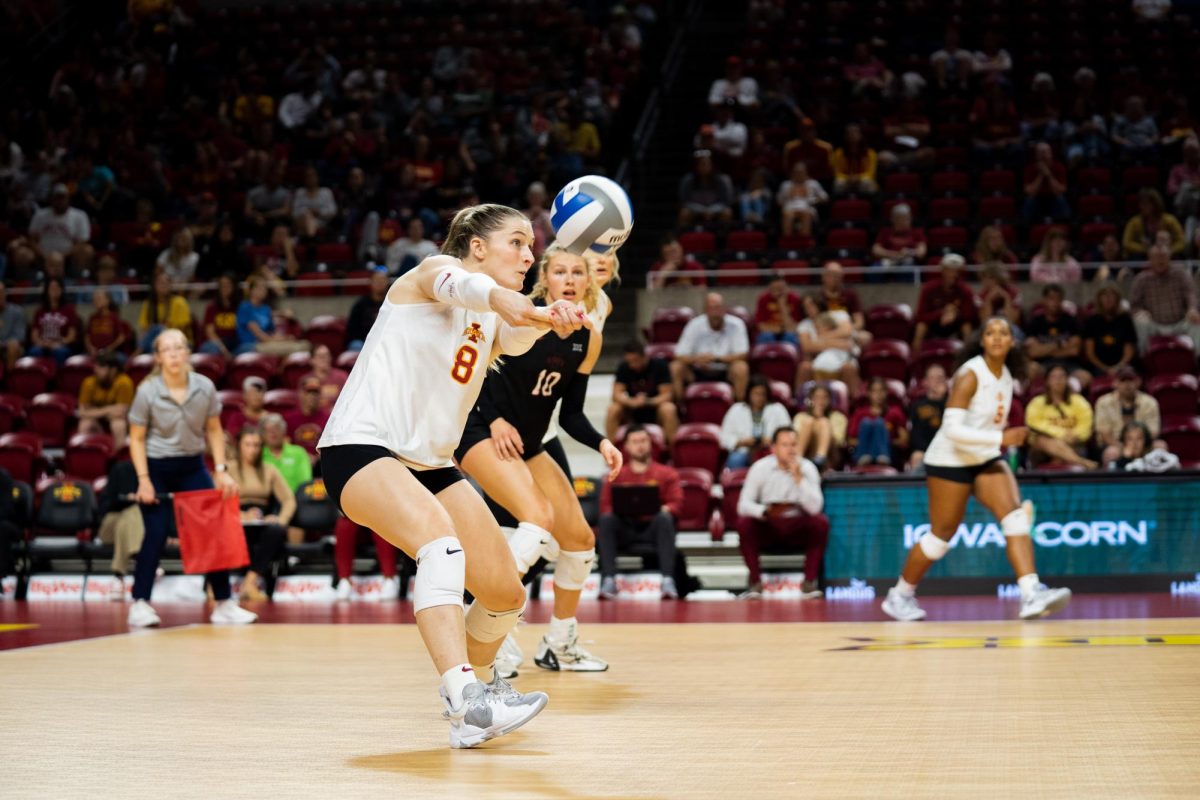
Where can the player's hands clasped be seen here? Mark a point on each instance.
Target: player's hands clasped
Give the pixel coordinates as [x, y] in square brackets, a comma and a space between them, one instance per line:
[506, 439]
[612, 457]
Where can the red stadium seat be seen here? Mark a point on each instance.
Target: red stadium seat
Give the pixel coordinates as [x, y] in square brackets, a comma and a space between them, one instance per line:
[902, 183]
[21, 455]
[307, 284]
[697, 499]
[658, 440]
[936, 351]
[1176, 394]
[88, 455]
[295, 367]
[1169, 355]
[949, 210]
[1100, 386]
[347, 360]
[73, 373]
[31, 376]
[746, 240]
[335, 253]
[849, 240]
[1093, 233]
[953, 237]
[661, 350]
[795, 242]
[707, 401]
[50, 415]
[231, 403]
[697, 444]
[1092, 206]
[732, 481]
[138, 367]
[997, 181]
[890, 321]
[209, 365]
[781, 392]
[850, 210]
[743, 313]
[1094, 179]
[361, 286]
[281, 401]
[1182, 438]
[776, 360]
[999, 207]
[246, 365]
[1133, 178]
[698, 241]
[785, 265]
[952, 182]
[745, 273]
[885, 358]
[667, 323]
[327, 330]
[12, 412]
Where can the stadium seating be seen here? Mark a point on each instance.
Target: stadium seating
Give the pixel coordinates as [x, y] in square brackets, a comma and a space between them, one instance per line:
[51, 415]
[1182, 438]
[88, 456]
[31, 376]
[707, 401]
[890, 321]
[138, 367]
[658, 441]
[327, 330]
[661, 350]
[210, 366]
[732, 481]
[281, 401]
[295, 366]
[697, 444]
[246, 365]
[12, 412]
[73, 373]
[936, 351]
[776, 361]
[697, 498]
[1169, 355]
[885, 358]
[1176, 394]
[21, 455]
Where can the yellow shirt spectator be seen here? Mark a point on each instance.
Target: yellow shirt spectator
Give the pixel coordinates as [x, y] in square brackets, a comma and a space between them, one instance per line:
[117, 393]
[172, 313]
[861, 168]
[1058, 420]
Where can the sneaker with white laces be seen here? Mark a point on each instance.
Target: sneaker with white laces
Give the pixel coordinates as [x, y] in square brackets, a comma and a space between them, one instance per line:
[391, 588]
[608, 588]
[669, 590]
[228, 612]
[1043, 601]
[486, 714]
[567, 657]
[902, 607]
[141, 615]
[345, 589]
[511, 651]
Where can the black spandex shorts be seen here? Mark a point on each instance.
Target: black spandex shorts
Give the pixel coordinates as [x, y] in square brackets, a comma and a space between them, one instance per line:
[959, 474]
[338, 465]
[474, 434]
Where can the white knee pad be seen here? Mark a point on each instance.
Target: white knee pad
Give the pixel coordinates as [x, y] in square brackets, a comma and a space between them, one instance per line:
[1016, 523]
[573, 567]
[934, 547]
[485, 625]
[527, 543]
[441, 574]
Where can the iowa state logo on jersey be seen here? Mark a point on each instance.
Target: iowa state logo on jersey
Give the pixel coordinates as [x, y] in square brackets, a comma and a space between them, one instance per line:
[474, 333]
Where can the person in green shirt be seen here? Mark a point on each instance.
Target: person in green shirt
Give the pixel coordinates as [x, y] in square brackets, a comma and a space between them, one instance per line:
[290, 459]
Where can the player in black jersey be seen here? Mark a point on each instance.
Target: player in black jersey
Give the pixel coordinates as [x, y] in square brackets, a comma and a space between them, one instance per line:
[501, 448]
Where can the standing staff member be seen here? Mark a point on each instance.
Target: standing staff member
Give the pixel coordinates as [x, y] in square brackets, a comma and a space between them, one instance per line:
[174, 411]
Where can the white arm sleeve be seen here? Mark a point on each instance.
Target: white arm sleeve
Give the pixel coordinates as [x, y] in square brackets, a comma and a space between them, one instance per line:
[516, 340]
[454, 286]
[954, 425]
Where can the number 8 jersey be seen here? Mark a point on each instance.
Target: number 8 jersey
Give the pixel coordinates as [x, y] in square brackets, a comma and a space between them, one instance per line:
[417, 378]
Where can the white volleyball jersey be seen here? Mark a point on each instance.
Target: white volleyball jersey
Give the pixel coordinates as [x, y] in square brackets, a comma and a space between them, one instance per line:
[987, 411]
[415, 381]
[598, 316]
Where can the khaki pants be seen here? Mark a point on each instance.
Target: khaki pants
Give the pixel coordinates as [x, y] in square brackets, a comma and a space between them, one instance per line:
[124, 531]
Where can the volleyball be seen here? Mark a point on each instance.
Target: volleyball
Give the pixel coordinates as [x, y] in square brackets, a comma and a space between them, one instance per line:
[592, 213]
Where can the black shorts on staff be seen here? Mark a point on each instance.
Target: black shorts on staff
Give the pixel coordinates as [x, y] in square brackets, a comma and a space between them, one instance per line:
[965, 475]
[340, 463]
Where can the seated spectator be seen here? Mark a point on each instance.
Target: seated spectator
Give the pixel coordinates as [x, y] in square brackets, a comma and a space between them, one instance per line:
[798, 199]
[995, 124]
[55, 329]
[705, 195]
[745, 430]
[1142, 229]
[12, 328]
[834, 296]
[642, 394]
[250, 415]
[106, 279]
[776, 312]
[990, 247]
[820, 429]
[267, 507]
[121, 523]
[57, 233]
[404, 254]
[1042, 112]
[104, 397]
[1125, 404]
[332, 378]
[1163, 300]
[673, 260]
[269, 204]
[1135, 133]
[906, 133]
[946, 305]
[161, 310]
[279, 262]
[1183, 186]
[345, 542]
[735, 85]
[617, 532]
[220, 318]
[366, 309]
[854, 164]
[877, 427]
[179, 261]
[1053, 337]
[780, 505]
[1085, 134]
[991, 61]
[828, 346]
[313, 206]
[900, 244]
[105, 332]
[712, 347]
[535, 212]
[1059, 422]
[755, 200]
[306, 422]
[729, 136]
[1045, 184]
[1109, 337]
[255, 319]
[999, 296]
[925, 415]
[952, 65]
[815, 153]
[865, 74]
[1053, 262]
[1138, 451]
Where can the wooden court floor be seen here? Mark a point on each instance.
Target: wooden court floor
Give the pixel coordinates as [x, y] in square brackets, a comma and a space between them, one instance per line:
[1055, 709]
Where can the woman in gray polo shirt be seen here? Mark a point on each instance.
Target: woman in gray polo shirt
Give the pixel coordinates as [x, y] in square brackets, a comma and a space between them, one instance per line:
[174, 411]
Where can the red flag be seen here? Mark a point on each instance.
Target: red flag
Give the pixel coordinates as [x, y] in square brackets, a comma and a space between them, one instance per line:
[211, 536]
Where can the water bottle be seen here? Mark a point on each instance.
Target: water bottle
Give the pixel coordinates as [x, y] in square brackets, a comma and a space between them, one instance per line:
[1013, 456]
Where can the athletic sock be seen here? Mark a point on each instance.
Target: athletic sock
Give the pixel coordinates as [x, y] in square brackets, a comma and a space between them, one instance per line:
[905, 588]
[455, 679]
[486, 674]
[562, 630]
[1029, 584]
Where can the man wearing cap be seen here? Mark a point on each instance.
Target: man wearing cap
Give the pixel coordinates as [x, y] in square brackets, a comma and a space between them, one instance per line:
[946, 306]
[305, 424]
[1126, 404]
[57, 232]
[105, 397]
[254, 392]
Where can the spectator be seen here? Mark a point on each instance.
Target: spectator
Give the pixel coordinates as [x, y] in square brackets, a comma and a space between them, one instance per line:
[269, 204]
[1135, 133]
[906, 134]
[538, 216]
[925, 415]
[999, 296]
[642, 394]
[730, 137]
[952, 65]
[163, 309]
[220, 318]
[104, 397]
[55, 328]
[332, 379]
[990, 247]
[1085, 134]
[815, 153]
[755, 200]
[995, 124]
[876, 427]
[747, 426]
[865, 74]
[313, 206]
[1053, 262]
[684, 270]
[992, 62]
[780, 505]
[1184, 184]
[900, 244]
[279, 260]
[820, 429]
[854, 164]
[1045, 187]
[179, 260]
[267, 507]
[705, 196]
[776, 312]
[121, 524]
[618, 533]
[1163, 299]
[946, 305]
[255, 320]
[404, 254]
[345, 535]
[250, 415]
[828, 346]
[366, 309]
[798, 199]
[12, 328]
[712, 347]
[1041, 122]
[1109, 337]
[1126, 404]
[106, 278]
[307, 421]
[290, 459]
[1053, 337]
[1143, 228]
[57, 233]
[735, 85]
[1060, 422]
[1138, 451]
[835, 297]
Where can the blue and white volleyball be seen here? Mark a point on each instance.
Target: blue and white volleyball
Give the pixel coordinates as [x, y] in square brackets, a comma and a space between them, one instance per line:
[591, 213]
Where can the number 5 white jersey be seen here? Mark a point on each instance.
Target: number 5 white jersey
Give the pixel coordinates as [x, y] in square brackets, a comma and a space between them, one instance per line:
[987, 411]
[416, 380]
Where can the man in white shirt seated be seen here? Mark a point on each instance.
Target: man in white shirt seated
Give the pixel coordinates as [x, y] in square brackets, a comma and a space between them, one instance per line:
[404, 254]
[780, 505]
[712, 347]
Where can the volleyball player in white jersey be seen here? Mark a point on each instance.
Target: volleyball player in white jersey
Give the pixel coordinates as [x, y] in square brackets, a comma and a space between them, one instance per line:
[966, 457]
[386, 451]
